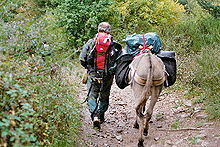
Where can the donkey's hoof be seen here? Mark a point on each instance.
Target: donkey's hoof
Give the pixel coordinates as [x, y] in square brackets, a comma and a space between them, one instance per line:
[136, 125]
[141, 143]
[145, 132]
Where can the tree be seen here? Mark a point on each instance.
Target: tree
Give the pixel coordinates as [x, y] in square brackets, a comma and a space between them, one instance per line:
[80, 18]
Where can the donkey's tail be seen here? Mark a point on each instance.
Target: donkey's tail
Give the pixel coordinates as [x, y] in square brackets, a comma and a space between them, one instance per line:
[147, 88]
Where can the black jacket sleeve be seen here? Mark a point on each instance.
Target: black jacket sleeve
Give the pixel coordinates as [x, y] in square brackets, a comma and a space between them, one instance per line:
[85, 52]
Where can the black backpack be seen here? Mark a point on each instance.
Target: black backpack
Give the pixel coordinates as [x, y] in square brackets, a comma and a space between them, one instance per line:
[168, 58]
[123, 62]
[122, 70]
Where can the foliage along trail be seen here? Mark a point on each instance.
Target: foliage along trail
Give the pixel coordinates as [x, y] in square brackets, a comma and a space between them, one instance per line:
[176, 122]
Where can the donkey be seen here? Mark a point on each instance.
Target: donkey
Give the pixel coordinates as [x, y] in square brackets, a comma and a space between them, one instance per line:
[146, 76]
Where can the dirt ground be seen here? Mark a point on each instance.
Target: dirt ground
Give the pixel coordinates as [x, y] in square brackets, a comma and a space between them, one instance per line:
[176, 122]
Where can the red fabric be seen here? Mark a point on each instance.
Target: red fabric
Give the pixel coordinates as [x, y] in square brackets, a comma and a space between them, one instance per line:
[145, 47]
[102, 42]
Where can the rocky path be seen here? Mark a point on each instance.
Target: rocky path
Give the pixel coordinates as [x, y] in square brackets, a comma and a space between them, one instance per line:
[176, 122]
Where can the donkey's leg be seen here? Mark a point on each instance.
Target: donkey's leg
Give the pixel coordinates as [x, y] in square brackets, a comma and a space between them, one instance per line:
[140, 118]
[137, 90]
[142, 110]
[154, 96]
[139, 112]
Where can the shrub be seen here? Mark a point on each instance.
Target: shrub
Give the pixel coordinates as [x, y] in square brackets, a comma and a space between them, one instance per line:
[213, 7]
[207, 77]
[195, 31]
[34, 109]
[140, 16]
[16, 113]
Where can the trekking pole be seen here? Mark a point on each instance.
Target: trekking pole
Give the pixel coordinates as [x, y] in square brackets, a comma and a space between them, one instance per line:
[87, 96]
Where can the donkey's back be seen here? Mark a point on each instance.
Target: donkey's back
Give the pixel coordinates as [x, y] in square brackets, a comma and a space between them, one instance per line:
[141, 66]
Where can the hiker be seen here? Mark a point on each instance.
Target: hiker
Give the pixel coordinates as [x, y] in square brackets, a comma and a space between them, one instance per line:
[99, 56]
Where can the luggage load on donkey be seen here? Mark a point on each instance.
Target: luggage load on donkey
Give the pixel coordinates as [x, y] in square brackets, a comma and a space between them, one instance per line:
[122, 70]
[169, 60]
[137, 44]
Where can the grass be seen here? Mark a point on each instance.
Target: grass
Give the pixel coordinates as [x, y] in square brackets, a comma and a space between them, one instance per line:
[194, 140]
[176, 124]
[160, 116]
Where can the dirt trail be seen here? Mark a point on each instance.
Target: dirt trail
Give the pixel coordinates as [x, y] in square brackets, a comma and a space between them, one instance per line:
[175, 122]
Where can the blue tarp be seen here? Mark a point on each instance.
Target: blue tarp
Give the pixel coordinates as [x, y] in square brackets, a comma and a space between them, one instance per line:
[135, 40]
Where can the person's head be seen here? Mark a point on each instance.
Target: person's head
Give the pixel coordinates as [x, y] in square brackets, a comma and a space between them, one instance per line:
[104, 27]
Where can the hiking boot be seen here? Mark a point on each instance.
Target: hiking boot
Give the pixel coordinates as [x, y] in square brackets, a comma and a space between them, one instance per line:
[96, 123]
[102, 118]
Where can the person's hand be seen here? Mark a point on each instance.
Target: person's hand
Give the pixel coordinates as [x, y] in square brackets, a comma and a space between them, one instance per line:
[96, 76]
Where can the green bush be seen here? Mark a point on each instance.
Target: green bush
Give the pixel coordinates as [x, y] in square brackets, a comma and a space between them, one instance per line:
[211, 6]
[35, 110]
[8, 10]
[195, 39]
[207, 77]
[16, 113]
[140, 16]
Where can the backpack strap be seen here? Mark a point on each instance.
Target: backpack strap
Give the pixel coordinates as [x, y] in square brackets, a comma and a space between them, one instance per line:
[144, 48]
